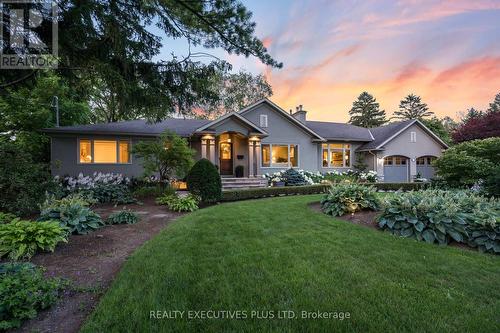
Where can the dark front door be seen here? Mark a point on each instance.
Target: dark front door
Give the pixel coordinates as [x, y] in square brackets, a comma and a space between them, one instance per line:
[226, 158]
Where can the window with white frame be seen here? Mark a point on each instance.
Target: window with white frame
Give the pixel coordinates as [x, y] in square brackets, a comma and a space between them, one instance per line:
[263, 120]
[336, 155]
[280, 155]
[104, 151]
[413, 136]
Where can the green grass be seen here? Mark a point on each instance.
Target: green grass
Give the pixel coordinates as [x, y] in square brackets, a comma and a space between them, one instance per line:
[277, 254]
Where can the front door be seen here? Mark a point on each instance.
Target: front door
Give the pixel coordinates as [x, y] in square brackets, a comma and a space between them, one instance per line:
[226, 158]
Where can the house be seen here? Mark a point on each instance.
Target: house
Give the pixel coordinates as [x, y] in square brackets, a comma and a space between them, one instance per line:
[263, 138]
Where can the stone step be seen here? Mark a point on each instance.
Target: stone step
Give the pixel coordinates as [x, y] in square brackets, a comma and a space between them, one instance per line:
[240, 186]
[243, 180]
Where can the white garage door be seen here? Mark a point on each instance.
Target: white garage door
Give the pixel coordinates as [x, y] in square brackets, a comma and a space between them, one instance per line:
[396, 169]
[424, 167]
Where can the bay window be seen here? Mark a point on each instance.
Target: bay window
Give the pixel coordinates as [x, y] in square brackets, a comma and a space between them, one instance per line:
[336, 155]
[104, 151]
[280, 156]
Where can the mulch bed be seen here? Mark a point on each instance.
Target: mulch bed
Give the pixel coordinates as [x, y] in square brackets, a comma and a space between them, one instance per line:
[364, 218]
[91, 262]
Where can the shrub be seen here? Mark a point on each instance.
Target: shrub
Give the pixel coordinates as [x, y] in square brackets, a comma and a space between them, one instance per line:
[153, 191]
[293, 178]
[24, 290]
[204, 181]
[188, 203]
[470, 162]
[71, 212]
[21, 239]
[102, 187]
[263, 192]
[6, 217]
[349, 198]
[23, 182]
[123, 217]
[440, 216]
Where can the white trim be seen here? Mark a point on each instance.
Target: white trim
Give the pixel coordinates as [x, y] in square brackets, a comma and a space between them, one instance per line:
[286, 114]
[116, 139]
[263, 120]
[227, 115]
[288, 164]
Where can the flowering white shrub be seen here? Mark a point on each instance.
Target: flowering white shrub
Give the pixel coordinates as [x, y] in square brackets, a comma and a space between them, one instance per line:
[88, 182]
[317, 177]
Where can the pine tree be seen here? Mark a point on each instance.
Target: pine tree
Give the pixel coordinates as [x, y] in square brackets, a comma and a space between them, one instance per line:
[366, 112]
[412, 107]
[495, 106]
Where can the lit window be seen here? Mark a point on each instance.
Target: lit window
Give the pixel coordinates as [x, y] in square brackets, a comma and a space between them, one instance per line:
[263, 120]
[388, 161]
[85, 151]
[336, 155]
[104, 151]
[266, 155]
[124, 152]
[280, 156]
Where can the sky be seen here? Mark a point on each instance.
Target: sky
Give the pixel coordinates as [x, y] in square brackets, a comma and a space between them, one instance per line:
[448, 52]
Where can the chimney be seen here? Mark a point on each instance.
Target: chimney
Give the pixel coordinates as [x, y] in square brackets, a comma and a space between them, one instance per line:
[300, 114]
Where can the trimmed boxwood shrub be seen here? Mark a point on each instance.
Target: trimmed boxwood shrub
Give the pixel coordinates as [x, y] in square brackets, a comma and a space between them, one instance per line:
[263, 192]
[349, 198]
[204, 181]
[438, 216]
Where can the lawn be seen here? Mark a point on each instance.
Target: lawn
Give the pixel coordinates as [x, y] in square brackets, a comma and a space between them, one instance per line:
[277, 254]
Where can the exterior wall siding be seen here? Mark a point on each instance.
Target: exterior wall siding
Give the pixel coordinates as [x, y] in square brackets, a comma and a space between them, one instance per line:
[282, 131]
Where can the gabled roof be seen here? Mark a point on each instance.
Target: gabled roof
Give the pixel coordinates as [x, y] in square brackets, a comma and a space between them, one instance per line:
[340, 131]
[384, 134]
[183, 127]
[283, 113]
[219, 120]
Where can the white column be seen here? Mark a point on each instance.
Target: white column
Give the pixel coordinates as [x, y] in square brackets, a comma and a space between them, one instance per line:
[250, 158]
[257, 157]
[204, 148]
[212, 150]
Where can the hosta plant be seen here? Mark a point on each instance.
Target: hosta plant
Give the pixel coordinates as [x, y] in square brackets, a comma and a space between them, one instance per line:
[73, 213]
[6, 217]
[439, 216]
[123, 217]
[349, 198]
[21, 239]
[24, 290]
[176, 203]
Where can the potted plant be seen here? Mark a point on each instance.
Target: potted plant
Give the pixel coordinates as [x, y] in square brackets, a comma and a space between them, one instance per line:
[239, 171]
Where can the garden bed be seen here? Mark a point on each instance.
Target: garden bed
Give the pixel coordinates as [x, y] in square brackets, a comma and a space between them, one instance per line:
[91, 262]
[364, 218]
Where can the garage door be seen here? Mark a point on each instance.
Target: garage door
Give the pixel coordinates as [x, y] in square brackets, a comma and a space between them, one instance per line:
[395, 169]
[424, 167]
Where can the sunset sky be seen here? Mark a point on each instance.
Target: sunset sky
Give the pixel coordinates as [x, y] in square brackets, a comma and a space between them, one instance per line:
[448, 52]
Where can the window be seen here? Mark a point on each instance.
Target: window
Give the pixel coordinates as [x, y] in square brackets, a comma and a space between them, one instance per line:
[336, 155]
[85, 151]
[263, 120]
[398, 160]
[388, 161]
[426, 160]
[413, 136]
[421, 161]
[104, 151]
[276, 155]
[395, 160]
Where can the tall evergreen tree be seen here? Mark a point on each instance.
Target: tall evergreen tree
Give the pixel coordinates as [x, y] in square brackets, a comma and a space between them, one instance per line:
[495, 105]
[366, 112]
[471, 114]
[412, 107]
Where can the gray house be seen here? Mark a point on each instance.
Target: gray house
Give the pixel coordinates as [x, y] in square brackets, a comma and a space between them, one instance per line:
[263, 138]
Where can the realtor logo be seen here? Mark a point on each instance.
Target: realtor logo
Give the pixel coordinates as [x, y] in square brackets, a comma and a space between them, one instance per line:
[28, 34]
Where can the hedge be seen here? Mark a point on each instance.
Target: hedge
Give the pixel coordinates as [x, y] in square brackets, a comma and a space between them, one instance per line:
[263, 192]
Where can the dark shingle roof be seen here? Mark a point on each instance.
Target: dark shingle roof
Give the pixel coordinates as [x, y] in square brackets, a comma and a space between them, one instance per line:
[382, 133]
[339, 131]
[183, 127]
